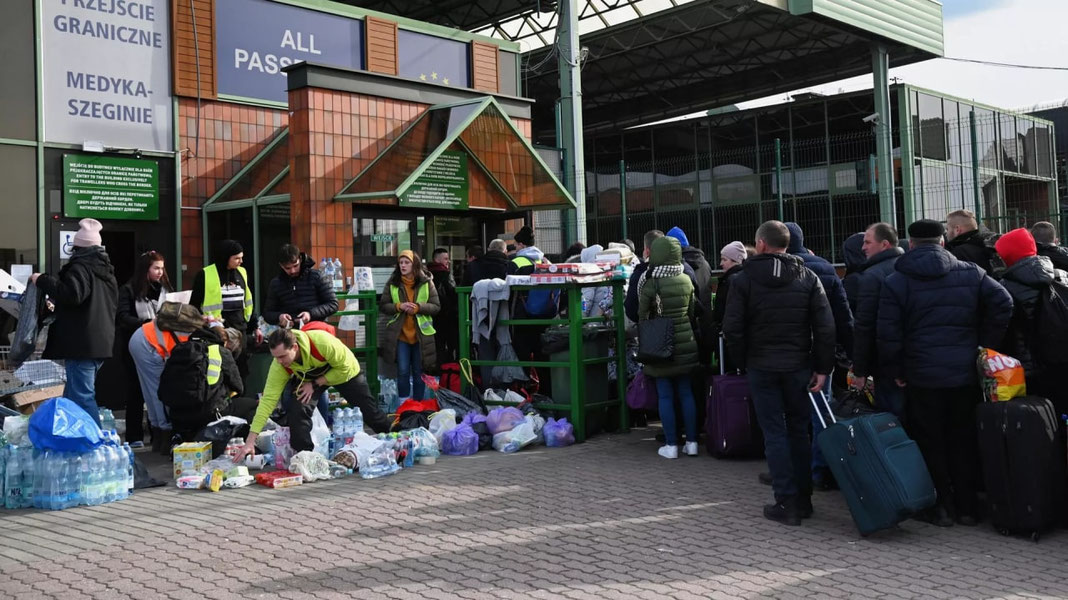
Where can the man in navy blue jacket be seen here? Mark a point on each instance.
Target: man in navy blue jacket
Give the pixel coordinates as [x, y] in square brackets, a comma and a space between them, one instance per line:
[843, 328]
[934, 312]
[881, 248]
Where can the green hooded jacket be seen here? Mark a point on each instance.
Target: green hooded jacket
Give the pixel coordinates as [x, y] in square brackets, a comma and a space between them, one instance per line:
[676, 299]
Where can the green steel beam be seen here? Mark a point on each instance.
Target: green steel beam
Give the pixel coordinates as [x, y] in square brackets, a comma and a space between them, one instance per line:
[13, 142]
[42, 238]
[570, 132]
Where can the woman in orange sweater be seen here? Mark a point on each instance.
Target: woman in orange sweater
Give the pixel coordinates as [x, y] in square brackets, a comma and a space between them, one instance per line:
[410, 302]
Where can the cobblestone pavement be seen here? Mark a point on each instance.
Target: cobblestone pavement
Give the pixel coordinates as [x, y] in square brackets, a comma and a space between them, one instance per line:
[606, 519]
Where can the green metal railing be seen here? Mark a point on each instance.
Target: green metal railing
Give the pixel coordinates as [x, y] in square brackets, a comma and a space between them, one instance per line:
[577, 409]
[368, 308]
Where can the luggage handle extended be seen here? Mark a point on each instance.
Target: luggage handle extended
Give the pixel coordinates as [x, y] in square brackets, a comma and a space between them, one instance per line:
[722, 362]
[819, 413]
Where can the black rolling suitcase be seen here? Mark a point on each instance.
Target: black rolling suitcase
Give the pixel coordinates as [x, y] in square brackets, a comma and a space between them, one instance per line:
[1023, 464]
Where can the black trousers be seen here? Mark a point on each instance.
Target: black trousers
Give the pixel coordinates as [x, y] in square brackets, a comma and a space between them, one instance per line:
[942, 421]
[135, 400]
[355, 391]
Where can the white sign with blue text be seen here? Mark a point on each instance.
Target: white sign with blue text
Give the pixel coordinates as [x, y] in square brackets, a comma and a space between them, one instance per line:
[106, 74]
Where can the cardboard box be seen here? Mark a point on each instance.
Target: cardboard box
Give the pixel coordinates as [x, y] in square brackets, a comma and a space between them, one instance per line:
[550, 278]
[558, 268]
[27, 402]
[190, 456]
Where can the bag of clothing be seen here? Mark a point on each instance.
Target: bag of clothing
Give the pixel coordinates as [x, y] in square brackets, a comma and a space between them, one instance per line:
[503, 419]
[641, 393]
[460, 441]
[219, 433]
[61, 425]
[558, 433]
[450, 378]
[462, 404]
[312, 466]
[441, 422]
[28, 329]
[515, 439]
[477, 422]
[176, 316]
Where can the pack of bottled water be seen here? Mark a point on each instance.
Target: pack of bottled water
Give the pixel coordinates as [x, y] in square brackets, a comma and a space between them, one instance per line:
[52, 480]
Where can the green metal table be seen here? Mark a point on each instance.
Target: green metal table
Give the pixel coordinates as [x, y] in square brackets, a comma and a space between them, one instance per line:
[577, 409]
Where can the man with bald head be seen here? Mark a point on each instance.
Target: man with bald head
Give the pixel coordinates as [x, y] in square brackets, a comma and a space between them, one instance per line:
[1049, 245]
[968, 241]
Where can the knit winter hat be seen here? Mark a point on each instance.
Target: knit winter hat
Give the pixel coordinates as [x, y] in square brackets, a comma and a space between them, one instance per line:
[525, 236]
[926, 229]
[1015, 246]
[680, 235]
[406, 254]
[88, 233]
[734, 251]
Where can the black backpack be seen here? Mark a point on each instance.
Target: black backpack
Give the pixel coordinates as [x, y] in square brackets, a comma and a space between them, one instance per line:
[1050, 325]
[183, 385]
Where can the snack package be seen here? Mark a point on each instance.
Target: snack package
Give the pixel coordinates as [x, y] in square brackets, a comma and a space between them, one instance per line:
[239, 482]
[279, 479]
[215, 480]
[1002, 375]
[190, 482]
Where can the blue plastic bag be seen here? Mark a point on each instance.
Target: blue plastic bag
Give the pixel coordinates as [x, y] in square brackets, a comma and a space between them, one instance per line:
[558, 433]
[504, 419]
[62, 425]
[459, 441]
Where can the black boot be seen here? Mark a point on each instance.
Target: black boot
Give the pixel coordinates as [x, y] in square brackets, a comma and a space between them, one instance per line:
[157, 438]
[784, 511]
[804, 507]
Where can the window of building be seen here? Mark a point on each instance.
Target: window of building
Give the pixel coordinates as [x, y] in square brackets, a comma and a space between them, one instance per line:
[931, 126]
[1010, 144]
[18, 229]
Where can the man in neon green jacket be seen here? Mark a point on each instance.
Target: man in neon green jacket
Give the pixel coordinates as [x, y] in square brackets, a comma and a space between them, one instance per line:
[307, 362]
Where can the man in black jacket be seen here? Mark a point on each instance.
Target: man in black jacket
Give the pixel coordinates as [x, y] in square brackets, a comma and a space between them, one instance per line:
[299, 292]
[85, 295]
[971, 243]
[779, 325]
[934, 312]
[446, 322]
[491, 265]
[881, 248]
[1049, 245]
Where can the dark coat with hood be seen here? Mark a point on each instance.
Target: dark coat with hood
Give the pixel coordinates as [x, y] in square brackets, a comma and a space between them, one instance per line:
[778, 318]
[934, 313]
[308, 291]
[869, 289]
[492, 265]
[853, 250]
[976, 247]
[1057, 254]
[695, 258]
[231, 318]
[832, 285]
[389, 337]
[630, 303]
[86, 297]
[1025, 281]
[676, 299]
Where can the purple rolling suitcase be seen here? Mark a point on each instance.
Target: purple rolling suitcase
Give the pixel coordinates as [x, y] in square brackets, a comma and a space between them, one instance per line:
[731, 428]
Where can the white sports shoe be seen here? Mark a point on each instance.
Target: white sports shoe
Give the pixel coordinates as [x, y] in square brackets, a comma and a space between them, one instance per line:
[668, 451]
[690, 449]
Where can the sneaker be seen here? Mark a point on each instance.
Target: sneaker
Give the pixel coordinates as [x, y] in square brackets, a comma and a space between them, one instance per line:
[764, 478]
[783, 512]
[137, 445]
[668, 451]
[690, 449]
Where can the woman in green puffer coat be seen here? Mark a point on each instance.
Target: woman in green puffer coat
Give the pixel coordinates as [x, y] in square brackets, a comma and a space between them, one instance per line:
[665, 279]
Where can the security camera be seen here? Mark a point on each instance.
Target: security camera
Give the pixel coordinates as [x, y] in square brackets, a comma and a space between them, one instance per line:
[872, 118]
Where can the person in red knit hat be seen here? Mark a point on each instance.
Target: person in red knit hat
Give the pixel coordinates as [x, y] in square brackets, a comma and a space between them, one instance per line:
[1027, 279]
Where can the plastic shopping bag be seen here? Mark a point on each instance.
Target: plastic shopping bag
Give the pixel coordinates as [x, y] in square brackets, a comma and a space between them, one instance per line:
[1002, 376]
[62, 425]
[558, 433]
[503, 419]
[512, 441]
[320, 435]
[310, 465]
[441, 422]
[460, 441]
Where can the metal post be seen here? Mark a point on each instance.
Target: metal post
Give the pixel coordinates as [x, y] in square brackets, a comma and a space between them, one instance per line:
[621, 354]
[623, 195]
[778, 176]
[570, 133]
[975, 166]
[577, 368]
[884, 142]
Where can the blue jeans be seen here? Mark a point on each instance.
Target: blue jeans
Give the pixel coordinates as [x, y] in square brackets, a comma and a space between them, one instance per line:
[818, 462]
[410, 372]
[784, 413]
[149, 369]
[666, 389]
[81, 385]
[889, 397]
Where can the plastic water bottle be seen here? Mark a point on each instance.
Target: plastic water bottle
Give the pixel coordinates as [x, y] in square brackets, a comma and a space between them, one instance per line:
[339, 276]
[107, 419]
[129, 468]
[328, 270]
[26, 461]
[41, 479]
[12, 478]
[357, 420]
[120, 463]
[322, 265]
[62, 494]
[77, 482]
[95, 477]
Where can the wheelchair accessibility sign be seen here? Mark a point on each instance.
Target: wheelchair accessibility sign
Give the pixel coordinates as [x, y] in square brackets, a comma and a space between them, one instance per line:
[66, 244]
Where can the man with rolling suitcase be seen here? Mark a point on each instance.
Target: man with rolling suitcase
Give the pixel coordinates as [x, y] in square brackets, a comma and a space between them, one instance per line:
[779, 326]
[934, 312]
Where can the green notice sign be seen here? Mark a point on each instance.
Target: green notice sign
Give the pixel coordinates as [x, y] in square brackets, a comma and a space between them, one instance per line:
[442, 185]
[105, 187]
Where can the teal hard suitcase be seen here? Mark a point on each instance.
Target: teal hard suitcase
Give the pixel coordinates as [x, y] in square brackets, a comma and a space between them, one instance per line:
[878, 467]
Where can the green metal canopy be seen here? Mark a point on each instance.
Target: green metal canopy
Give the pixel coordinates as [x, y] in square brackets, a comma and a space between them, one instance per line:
[439, 147]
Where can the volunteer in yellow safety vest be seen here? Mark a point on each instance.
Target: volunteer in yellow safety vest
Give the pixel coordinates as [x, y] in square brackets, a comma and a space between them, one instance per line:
[410, 302]
[221, 291]
[304, 363]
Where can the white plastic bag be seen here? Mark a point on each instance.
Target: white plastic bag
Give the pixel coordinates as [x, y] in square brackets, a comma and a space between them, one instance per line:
[310, 465]
[537, 423]
[17, 431]
[492, 397]
[442, 421]
[513, 397]
[265, 441]
[320, 435]
[351, 322]
[518, 437]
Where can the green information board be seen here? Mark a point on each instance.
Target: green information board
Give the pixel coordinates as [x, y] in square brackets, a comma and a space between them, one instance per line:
[106, 187]
[442, 185]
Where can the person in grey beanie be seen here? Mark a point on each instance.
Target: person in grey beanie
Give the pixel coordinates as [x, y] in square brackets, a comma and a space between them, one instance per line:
[85, 294]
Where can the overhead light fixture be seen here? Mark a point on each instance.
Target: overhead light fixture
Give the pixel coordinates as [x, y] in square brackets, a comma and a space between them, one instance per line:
[90, 146]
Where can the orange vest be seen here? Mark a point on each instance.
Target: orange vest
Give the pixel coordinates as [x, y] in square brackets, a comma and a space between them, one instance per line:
[163, 341]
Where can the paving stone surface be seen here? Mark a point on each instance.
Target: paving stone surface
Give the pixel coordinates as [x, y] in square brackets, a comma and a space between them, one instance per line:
[605, 519]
